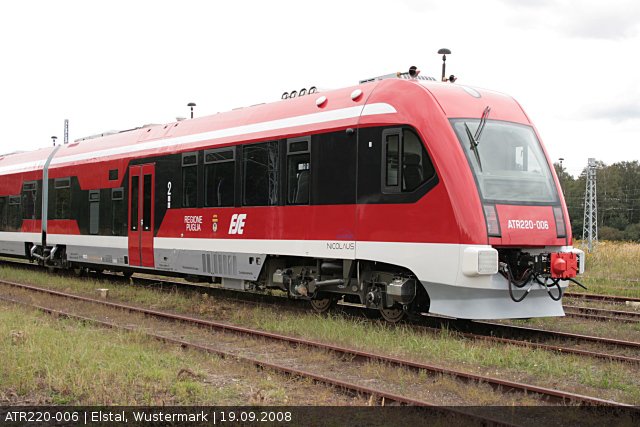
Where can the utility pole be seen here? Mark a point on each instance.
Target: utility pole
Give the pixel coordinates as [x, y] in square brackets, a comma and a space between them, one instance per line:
[590, 228]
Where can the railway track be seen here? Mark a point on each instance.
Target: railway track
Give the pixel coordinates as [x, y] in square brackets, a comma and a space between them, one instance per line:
[602, 314]
[376, 397]
[598, 297]
[389, 397]
[477, 330]
[547, 347]
[546, 394]
[485, 331]
[502, 330]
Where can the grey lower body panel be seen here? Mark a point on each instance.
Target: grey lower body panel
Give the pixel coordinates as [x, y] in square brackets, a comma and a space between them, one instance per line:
[199, 263]
[483, 303]
[232, 265]
[12, 248]
[109, 257]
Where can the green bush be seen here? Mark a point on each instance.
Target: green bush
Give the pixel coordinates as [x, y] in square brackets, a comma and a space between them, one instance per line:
[632, 232]
[610, 233]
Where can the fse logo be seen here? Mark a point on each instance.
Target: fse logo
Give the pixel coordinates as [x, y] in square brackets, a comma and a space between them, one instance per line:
[237, 224]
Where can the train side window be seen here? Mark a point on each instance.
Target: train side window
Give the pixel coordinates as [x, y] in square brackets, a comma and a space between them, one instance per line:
[392, 151]
[391, 160]
[13, 213]
[219, 177]
[3, 213]
[62, 188]
[29, 190]
[405, 160]
[146, 202]
[333, 172]
[94, 211]
[135, 188]
[298, 171]
[260, 167]
[189, 180]
[118, 220]
[416, 164]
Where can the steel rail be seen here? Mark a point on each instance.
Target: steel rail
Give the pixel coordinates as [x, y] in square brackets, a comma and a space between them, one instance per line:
[547, 347]
[605, 311]
[333, 382]
[485, 327]
[547, 393]
[600, 297]
[601, 315]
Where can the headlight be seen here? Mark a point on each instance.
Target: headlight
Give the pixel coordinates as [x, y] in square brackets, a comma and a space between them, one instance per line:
[476, 261]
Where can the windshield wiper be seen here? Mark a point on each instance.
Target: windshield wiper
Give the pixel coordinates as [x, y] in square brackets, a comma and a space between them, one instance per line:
[474, 140]
[483, 121]
[473, 145]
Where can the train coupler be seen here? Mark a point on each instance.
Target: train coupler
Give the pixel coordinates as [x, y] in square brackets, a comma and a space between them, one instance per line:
[556, 265]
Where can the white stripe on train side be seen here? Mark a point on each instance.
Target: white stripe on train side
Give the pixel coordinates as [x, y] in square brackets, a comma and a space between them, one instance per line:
[280, 124]
[17, 236]
[120, 242]
[437, 262]
[426, 259]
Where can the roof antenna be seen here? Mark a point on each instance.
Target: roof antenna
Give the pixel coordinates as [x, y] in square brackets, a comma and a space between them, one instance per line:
[444, 52]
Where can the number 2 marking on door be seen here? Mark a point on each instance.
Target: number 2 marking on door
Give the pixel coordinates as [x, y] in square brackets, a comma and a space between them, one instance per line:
[169, 195]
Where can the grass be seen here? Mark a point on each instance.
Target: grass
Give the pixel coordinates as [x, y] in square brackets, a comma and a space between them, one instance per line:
[610, 380]
[612, 268]
[64, 362]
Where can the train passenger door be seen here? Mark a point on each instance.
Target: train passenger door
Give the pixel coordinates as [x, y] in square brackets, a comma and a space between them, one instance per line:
[141, 214]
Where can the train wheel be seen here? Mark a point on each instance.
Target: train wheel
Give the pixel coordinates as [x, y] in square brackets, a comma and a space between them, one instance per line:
[79, 271]
[127, 274]
[323, 305]
[393, 314]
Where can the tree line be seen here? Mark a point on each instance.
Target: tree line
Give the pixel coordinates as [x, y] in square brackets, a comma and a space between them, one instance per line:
[618, 199]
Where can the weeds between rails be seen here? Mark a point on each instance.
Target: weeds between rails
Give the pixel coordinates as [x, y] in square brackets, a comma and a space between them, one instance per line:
[376, 335]
[545, 393]
[498, 333]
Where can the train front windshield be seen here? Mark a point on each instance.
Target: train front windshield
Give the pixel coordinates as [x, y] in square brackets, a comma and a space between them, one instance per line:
[507, 161]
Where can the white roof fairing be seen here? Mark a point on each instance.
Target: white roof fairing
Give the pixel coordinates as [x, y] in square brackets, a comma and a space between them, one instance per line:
[320, 117]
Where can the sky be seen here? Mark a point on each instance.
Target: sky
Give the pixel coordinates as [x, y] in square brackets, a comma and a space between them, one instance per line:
[574, 66]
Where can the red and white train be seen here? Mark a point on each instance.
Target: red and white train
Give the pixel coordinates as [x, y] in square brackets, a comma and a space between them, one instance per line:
[401, 193]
